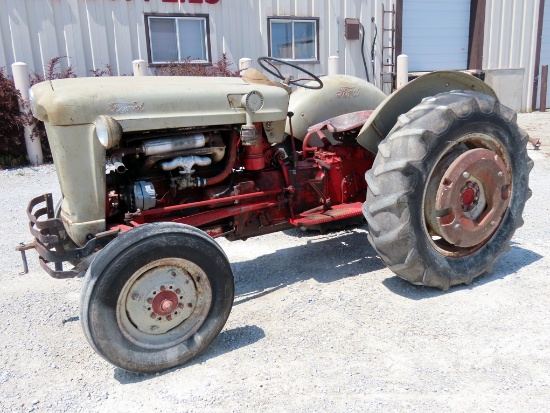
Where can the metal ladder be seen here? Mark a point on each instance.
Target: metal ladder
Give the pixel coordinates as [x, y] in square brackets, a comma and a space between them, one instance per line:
[387, 60]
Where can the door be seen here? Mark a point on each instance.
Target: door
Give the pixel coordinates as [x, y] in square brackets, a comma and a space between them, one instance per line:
[435, 34]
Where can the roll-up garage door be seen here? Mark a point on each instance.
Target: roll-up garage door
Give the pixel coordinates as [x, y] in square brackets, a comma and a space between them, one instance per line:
[435, 34]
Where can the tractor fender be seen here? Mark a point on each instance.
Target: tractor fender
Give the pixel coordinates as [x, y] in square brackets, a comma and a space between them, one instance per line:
[340, 94]
[402, 100]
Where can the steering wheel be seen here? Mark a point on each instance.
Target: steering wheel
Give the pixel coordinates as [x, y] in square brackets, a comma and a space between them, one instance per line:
[288, 79]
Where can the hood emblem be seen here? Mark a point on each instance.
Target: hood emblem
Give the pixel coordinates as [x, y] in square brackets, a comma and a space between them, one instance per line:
[125, 107]
[346, 92]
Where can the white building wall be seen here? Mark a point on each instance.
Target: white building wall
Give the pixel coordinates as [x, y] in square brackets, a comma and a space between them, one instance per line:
[511, 40]
[93, 33]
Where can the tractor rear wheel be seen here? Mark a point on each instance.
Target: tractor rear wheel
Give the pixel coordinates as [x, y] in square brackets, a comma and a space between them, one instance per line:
[156, 297]
[447, 189]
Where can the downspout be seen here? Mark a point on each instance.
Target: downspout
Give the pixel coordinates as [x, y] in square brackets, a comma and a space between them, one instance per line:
[398, 27]
[477, 34]
[537, 56]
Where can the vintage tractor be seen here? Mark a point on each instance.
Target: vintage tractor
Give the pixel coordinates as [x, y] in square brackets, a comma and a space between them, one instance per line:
[152, 169]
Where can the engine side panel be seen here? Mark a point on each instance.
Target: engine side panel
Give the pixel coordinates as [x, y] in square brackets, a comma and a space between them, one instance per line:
[79, 159]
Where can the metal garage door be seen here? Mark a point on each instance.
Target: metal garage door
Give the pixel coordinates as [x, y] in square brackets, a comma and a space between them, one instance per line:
[435, 34]
[545, 49]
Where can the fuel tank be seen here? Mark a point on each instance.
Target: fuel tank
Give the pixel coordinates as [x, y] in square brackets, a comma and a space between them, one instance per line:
[340, 94]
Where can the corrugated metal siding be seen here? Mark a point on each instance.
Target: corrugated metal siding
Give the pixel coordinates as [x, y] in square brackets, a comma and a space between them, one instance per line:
[510, 39]
[93, 33]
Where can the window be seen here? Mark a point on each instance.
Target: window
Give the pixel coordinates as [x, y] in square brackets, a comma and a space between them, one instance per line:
[177, 38]
[293, 39]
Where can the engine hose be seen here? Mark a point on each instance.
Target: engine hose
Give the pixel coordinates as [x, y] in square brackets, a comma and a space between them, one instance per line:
[228, 166]
[372, 49]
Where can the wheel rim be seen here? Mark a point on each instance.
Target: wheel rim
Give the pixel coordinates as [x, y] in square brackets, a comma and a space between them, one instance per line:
[467, 194]
[164, 303]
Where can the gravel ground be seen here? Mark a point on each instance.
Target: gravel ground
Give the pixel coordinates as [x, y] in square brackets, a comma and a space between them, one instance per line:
[319, 324]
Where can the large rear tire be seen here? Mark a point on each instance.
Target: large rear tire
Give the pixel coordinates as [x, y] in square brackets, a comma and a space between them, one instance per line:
[156, 297]
[447, 189]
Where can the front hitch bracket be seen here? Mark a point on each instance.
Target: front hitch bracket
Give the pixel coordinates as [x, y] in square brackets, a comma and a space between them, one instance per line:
[49, 236]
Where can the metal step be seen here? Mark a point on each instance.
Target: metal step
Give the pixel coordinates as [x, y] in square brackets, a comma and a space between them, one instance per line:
[318, 216]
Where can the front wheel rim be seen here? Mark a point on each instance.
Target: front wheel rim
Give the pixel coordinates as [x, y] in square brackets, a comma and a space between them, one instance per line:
[164, 303]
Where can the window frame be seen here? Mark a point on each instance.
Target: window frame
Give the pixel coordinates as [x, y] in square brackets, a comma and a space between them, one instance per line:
[293, 19]
[176, 16]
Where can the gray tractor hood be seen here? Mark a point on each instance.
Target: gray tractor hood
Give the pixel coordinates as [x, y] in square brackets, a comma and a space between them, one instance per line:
[153, 102]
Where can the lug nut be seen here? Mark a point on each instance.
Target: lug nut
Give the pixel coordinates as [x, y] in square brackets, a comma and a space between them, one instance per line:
[178, 291]
[150, 300]
[153, 315]
[162, 288]
[168, 317]
[180, 305]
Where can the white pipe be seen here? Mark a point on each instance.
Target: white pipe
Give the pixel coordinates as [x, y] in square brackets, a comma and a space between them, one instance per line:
[402, 70]
[22, 83]
[245, 63]
[333, 65]
[140, 67]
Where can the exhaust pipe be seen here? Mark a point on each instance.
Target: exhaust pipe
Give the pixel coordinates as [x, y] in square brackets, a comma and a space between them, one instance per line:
[186, 163]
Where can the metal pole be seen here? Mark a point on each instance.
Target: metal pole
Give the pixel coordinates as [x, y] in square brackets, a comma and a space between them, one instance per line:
[140, 67]
[543, 87]
[402, 70]
[333, 65]
[22, 83]
[245, 63]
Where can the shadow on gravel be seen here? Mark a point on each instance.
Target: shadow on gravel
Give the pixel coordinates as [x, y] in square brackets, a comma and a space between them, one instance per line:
[227, 341]
[507, 264]
[325, 258]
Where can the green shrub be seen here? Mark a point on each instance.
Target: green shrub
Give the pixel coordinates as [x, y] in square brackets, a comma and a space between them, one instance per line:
[12, 143]
[220, 68]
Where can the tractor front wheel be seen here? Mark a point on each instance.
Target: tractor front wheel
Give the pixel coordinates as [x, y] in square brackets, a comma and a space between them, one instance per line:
[448, 188]
[156, 297]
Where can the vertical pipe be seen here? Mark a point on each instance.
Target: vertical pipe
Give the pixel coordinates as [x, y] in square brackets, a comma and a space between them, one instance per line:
[402, 70]
[22, 83]
[537, 55]
[140, 67]
[333, 65]
[543, 87]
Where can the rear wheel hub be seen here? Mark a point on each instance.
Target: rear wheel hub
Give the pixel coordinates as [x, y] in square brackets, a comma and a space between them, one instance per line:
[472, 198]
